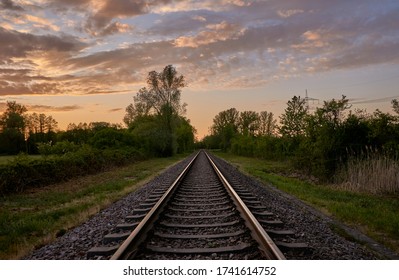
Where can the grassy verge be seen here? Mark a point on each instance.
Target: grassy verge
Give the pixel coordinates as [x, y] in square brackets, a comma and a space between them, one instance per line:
[36, 217]
[376, 216]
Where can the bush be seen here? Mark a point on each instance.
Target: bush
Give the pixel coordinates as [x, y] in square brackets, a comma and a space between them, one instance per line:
[24, 173]
[58, 148]
[243, 145]
[269, 147]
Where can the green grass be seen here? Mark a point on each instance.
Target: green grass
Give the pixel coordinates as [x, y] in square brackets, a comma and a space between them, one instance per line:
[376, 216]
[34, 218]
[7, 159]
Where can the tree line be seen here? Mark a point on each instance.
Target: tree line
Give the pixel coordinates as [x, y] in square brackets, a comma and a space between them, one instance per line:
[317, 142]
[154, 124]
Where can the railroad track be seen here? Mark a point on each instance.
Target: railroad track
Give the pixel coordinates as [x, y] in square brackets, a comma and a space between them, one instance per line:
[200, 216]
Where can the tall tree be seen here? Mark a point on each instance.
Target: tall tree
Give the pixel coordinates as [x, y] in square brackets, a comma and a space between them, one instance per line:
[293, 120]
[40, 123]
[163, 91]
[395, 105]
[41, 129]
[329, 136]
[13, 117]
[51, 124]
[225, 126]
[249, 122]
[267, 123]
[333, 111]
[226, 118]
[159, 102]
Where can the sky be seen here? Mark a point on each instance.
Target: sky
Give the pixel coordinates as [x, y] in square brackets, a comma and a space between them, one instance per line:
[84, 60]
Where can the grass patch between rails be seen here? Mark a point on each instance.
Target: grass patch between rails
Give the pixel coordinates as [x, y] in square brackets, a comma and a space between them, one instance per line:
[375, 215]
[35, 217]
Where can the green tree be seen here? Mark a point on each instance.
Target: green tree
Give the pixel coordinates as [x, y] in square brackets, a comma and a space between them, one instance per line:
[150, 135]
[332, 111]
[248, 122]
[162, 94]
[12, 128]
[395, 105]
[108, 137]
[383, 129]
[159, 102]
[326, 138]
[134, 111]
[293, 120]
[225, 127]
[225, 118]
[185, 135]
[76, 133]
[267, 124]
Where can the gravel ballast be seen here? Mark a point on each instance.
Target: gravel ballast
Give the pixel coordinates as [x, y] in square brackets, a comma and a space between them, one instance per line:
[309, 225]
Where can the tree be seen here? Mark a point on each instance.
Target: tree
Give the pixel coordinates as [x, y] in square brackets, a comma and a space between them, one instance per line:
[248, 122]
[107, 138]
[227, 118]
[13, 117]
[97, 126]
[395, 105]
[12, 128]
[382, 129]
[328, 137]
[76, 133]
[332, 111]
[185, 135]
[158, 102]
[293, 121]
[225, 127]
[267, 123]
[162, 96]
[41, 129]
[135, 111]
[40, 123]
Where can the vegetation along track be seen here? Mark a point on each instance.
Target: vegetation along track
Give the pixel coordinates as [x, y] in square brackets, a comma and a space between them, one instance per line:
[200, 216]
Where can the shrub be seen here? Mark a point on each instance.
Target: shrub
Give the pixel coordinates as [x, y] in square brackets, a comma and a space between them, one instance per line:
[58, 148]
[24, 173]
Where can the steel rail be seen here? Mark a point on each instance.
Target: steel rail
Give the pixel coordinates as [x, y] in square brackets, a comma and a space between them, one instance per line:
[132, 242]
[130, 246]
[266, 244]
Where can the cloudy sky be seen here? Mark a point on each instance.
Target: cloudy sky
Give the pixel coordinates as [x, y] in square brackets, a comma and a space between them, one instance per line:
[84, 60]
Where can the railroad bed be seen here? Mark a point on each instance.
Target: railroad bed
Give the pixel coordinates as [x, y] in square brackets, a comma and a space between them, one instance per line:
[200, 216]
[289, 222]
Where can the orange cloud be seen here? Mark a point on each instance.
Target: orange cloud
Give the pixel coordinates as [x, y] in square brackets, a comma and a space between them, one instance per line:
[216, 32]
[41, 22]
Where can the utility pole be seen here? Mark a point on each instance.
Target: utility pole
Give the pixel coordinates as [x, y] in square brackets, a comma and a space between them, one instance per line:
[307, 99]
